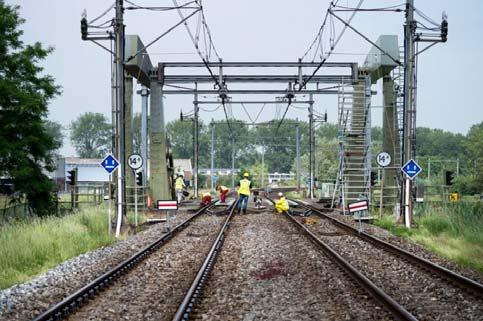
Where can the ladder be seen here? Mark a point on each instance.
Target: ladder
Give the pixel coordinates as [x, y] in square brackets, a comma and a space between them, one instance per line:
[354, 131]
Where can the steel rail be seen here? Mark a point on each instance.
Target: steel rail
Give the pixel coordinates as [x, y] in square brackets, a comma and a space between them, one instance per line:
[460, 280]
[187, 305]
[76, 299]
[395, 308]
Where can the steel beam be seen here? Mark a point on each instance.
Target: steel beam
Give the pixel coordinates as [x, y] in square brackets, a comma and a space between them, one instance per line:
[249, 92]
[324, 79]
[257, 64]
[252, 102]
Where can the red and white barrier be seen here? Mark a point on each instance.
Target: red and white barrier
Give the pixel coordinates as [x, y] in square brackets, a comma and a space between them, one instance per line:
[358, 206]
[167, 205]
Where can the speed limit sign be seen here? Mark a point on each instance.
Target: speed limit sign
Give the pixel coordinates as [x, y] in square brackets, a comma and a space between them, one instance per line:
[383, 159]
[135, 161]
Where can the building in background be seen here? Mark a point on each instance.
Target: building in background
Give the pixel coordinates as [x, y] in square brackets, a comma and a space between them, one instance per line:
[91, 173]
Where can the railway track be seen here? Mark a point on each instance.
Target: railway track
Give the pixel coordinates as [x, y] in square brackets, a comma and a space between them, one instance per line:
[267, 269]
[139, 280]
[428, 291]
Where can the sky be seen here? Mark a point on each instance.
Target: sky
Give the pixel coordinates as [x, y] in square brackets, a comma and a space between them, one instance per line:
[252, 30]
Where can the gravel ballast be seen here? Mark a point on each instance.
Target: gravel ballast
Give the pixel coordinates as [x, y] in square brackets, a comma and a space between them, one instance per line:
[267, 270]
[425, 295]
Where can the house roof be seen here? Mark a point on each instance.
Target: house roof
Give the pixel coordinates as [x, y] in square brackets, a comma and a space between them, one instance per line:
[82, 161]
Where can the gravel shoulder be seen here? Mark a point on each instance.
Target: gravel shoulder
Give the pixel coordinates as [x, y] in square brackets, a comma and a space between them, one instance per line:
[424, 295]
[410, 246]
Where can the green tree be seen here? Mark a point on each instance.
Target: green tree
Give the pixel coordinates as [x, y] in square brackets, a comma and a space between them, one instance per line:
[280, 145]
[25, 91]
[54, 130]
[472, 180]
[180, 134]
[91, 135]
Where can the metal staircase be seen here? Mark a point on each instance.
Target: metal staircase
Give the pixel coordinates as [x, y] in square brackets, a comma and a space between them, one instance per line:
[398, 77]
[354, 131]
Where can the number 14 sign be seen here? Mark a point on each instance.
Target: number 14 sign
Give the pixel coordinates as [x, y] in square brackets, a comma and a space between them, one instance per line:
[135, 161]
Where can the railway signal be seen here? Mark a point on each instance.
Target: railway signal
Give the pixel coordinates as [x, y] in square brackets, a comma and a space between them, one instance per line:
[72, 177]
[139, 178]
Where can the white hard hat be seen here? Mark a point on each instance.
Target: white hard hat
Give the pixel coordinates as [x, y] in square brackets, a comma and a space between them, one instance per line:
[280, 194]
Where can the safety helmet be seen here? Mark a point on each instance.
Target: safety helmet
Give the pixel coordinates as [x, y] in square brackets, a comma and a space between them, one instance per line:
[280, 194]
[246, 174]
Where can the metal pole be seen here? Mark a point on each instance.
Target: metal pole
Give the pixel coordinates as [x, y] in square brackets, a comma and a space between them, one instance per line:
[457, 167]
[144, 130]
[233, 163]
[195, 143]
[212, 151]
[119, 32]
[381, 199]
[311, 146]
[109, 211]
[297, 147]
[263, 165]
[135, 201]
[429, 169]
[409, 108]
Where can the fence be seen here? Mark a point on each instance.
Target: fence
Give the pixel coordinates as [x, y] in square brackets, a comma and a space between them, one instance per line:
[66, 203]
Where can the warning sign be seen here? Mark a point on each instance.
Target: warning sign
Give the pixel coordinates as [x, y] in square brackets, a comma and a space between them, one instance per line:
[454, 197]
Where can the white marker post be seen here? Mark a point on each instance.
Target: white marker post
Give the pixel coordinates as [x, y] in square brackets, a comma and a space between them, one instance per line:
[110, 164]
[119, 201]
[136, 162]
[383, 159]
[135, 201]
[109, 215]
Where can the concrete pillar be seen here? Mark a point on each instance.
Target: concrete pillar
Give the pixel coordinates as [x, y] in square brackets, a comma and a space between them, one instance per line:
[390, 140]
[159, 188]
[128, 130]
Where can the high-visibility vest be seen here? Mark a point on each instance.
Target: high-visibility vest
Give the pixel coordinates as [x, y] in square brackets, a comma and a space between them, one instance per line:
[179, 183]
[281, 205]
[244, 187]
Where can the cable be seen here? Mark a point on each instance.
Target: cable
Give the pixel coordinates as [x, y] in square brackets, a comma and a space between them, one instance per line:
[283, 117]
[371, 9]
[103, 14]
[211, 110]
[425, 17]
[259, 113]
[332, 46]
[136, 7]
[246, 111]
[196, 44]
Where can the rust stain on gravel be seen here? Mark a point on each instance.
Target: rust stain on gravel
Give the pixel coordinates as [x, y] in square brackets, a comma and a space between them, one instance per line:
[269, 271]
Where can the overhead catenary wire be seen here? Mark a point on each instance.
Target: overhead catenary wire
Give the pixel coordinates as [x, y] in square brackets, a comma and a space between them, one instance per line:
[332, 47]
[103, 13]
[183, 6]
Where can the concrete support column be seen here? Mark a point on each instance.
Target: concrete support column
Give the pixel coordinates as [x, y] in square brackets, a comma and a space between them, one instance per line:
[128, 129]
[159, 188]
[391, 143]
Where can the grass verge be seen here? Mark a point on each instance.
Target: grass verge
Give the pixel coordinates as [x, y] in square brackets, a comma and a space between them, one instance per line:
[30, 248]
[454, 231]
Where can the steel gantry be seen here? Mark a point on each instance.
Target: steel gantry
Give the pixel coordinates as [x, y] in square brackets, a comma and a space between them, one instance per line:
[179, 75]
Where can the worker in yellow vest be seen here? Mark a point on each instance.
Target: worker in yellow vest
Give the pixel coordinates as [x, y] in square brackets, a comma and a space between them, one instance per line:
[178, 187]
[281, 205]
[244, 186]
